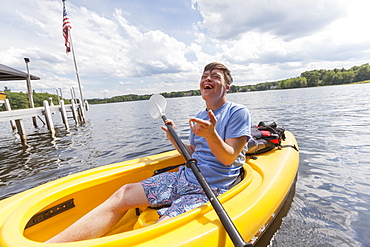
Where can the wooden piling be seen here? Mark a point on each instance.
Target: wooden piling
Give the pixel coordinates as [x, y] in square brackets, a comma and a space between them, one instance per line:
[63, 113]
[8, 108]
[74, 112]
[21, 131]
[82, 112]
[87, 106]
[49, 120]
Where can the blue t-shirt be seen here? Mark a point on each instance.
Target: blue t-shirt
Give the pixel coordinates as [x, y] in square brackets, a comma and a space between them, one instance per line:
[233, 120]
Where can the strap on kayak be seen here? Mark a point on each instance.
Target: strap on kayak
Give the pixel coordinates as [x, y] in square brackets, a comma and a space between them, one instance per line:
[166, 169]
[290, 146]
[254, 157]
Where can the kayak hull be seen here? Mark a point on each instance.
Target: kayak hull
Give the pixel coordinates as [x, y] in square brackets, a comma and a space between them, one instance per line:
[35, 215]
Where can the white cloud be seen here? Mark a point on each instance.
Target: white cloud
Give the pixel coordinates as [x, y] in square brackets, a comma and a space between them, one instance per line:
[127, 83]
[288, 19]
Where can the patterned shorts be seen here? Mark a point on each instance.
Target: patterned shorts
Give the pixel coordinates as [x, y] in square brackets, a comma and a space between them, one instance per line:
[172, 190]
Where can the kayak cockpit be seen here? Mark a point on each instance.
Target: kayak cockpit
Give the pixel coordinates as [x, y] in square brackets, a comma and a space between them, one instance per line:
[60, 214]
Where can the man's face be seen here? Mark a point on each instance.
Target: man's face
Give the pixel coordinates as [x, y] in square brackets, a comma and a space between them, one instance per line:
[212, 84]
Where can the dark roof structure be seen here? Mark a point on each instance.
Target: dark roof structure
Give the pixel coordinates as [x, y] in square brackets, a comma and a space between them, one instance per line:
[10, 74]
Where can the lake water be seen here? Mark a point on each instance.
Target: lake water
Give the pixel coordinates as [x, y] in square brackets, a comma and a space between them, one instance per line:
[330, 206]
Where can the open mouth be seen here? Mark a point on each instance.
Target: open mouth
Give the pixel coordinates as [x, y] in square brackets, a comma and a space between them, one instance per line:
[208, 86]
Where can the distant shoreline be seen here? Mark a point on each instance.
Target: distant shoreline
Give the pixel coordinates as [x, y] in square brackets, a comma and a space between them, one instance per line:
[313, 78]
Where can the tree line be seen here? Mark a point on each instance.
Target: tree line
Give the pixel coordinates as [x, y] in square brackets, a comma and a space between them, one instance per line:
[313, 78]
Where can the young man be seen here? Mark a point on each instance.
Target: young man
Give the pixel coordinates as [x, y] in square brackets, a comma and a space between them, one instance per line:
[217, 140]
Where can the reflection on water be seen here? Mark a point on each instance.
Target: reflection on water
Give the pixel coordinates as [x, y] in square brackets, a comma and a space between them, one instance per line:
[330, 206]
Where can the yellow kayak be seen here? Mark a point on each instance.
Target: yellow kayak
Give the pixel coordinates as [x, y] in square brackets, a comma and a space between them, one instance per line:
[33, 216]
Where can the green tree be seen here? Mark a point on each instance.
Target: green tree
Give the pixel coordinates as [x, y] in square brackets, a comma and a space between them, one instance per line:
[327, 77]
[362, 73]
[18, 100]
[234, 89]
[313, 78]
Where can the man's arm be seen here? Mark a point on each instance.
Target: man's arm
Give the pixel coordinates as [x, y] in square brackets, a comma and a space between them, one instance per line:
[225, 151]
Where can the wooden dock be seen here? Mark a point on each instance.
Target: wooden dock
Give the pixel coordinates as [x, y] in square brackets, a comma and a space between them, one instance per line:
[76, 110]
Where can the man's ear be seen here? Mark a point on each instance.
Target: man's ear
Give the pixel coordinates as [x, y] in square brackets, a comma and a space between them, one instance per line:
[227, 87]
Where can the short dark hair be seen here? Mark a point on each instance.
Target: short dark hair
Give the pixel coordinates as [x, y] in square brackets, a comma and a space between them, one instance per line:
[226, 71]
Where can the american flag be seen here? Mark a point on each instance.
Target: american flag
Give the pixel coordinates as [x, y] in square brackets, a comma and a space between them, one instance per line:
[66, 27]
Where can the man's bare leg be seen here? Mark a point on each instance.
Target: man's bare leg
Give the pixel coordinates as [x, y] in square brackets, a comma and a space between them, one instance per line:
[102, 218]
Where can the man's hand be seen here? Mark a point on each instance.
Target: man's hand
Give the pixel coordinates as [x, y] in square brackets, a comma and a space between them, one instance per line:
[204, 128]
[169, 136]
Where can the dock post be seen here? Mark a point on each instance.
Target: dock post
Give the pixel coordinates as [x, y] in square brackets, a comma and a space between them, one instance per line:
[73, 94]
[87, 107]
[29, 89]
[64, 113]
[81, 112]
[49, 120]
[57, 94]
[74, 112]
[8, 108]
[61, 94]
[21, 131]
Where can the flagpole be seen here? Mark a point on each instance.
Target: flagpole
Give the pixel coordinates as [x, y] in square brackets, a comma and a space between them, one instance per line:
[74, 60]
[78, 77]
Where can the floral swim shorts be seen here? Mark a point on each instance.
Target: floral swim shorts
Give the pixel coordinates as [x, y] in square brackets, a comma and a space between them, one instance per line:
[171, 189]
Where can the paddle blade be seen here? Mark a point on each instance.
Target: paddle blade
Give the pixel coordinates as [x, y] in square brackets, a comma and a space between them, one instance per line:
[157, 105]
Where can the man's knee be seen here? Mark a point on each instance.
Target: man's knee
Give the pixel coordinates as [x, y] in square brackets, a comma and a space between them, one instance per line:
[122, 193]
[129, 195]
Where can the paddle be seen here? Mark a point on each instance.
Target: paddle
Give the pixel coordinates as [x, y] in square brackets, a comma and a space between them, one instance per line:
[157, 106]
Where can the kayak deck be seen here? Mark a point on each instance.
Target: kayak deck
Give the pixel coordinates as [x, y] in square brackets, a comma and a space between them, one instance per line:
[38, 214]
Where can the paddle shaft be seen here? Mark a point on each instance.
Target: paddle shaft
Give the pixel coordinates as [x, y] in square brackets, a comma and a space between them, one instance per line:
[222, 214]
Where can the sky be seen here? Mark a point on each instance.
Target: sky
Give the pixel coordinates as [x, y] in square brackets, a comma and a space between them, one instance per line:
[153, 46]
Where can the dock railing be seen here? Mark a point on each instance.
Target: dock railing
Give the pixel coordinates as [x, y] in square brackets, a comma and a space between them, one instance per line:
[15, 116]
